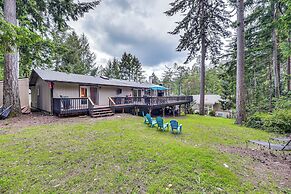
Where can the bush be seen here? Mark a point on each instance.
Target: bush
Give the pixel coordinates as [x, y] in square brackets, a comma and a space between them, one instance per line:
[212, 113]
[279, 121]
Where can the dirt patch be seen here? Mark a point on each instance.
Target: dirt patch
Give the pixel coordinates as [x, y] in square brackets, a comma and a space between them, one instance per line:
[16, 124]
[265, 165]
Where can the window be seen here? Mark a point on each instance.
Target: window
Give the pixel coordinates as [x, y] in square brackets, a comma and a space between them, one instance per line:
[83, 92]
[118, 91]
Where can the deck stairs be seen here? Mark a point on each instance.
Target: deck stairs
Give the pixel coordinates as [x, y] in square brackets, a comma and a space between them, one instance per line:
[101, 112]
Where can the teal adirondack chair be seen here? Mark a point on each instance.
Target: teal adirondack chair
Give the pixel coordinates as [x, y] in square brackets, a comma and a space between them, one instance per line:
[145, 118]
[152, 122]
[175, 127]
[161, 124]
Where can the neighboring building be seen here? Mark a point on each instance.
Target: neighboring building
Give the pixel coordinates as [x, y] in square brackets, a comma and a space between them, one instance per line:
[58, 92]
[23, 92]
[212, 103]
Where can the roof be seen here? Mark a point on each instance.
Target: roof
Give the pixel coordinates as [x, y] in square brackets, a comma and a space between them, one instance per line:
[55, 76]
[209, 99]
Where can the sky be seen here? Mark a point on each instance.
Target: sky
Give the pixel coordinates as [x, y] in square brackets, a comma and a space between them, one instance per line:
[139, 27]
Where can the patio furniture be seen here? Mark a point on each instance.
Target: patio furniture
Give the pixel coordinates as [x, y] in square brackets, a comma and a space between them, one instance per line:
[5, 112]
[152, 122]
[145, 118]
[175, 127]
[286, 146]
[161, 124]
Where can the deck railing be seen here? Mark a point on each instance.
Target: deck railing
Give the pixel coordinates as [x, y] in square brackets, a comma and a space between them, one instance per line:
[71, 106]
[149, 100]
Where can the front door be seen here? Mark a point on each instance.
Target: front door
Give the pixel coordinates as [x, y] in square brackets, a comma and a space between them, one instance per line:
[94, 95]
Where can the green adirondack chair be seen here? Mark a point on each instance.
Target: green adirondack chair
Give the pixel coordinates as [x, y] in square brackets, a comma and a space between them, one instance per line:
[145, 118]
[161, 124]
[175, 127]
[152, 122]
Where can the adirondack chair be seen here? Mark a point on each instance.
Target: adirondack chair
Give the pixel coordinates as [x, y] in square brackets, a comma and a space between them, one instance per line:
[161, 124]
[145, 118]
[175, 126]
[152, 122]
[5, 112]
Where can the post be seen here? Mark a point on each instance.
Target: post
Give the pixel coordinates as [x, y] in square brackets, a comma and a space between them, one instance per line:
[179, 110]
[163, 111]
[150, 111]
[122, 110]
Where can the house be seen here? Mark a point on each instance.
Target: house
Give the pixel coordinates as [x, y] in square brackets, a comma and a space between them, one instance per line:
[66, 94]
[212, 103]
[23, 92]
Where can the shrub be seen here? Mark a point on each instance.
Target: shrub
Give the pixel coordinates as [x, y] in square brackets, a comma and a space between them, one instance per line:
[279, 121]
[212, 113]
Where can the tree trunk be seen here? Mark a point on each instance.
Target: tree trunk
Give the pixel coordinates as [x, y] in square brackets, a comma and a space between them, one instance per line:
[289, 68]
[270, 88]
[275, 56]
[240, 85]
[202, 68]
[11, 67]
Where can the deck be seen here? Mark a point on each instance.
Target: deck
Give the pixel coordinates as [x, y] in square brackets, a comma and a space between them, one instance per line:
[82, 106]
[148, 102]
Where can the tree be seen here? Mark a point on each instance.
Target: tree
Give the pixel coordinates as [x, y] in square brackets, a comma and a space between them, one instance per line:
[240, 85]
[76, 56]
[11, 67]
[130, 68]
[112, 70]
[202, 28]
[155, 79]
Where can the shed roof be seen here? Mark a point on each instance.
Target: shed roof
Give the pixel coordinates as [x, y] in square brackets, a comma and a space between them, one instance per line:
[209, 99]
[55, 76]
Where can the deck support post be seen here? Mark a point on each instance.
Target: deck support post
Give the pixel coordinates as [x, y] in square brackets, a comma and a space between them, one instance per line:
[150, 111]
[173, 111]
[179, 110]
[123, 110]
[163, 111]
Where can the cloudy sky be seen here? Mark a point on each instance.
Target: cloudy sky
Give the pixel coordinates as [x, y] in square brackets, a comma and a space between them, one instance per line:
[136, 26]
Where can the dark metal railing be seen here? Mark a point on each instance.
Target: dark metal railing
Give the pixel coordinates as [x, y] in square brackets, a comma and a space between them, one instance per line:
[149, 100]
[71, 106]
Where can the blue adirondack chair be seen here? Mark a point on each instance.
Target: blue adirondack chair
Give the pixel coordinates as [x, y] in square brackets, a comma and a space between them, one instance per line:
[152, 122]
[175, 127]
[145, 118]
[5, 112]
[161, 124]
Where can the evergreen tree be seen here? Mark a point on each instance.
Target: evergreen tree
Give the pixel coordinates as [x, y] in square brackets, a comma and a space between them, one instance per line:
[202, 28]
[77, 57]
[155, 79]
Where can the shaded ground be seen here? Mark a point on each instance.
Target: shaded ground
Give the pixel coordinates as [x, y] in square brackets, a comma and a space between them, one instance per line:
[16, 124]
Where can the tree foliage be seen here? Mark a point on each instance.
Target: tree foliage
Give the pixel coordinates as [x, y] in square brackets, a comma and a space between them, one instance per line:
[127, 68]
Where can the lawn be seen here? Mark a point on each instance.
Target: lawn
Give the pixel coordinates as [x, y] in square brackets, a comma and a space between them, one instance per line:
[122, 155]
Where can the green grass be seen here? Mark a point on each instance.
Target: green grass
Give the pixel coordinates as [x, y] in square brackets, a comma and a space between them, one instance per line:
[124, 155]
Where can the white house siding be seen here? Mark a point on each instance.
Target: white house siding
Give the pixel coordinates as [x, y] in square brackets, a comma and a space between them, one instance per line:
[42, 92]
[66, 89]
[23, 92]
[111, 91]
